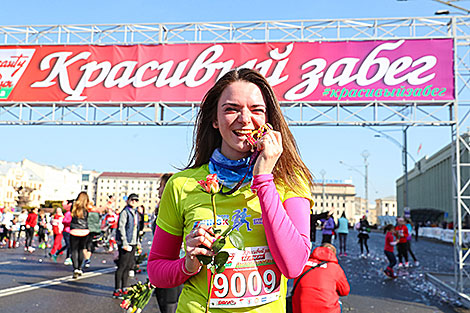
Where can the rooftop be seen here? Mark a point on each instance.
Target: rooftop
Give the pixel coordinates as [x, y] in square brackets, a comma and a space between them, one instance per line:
[130, 175]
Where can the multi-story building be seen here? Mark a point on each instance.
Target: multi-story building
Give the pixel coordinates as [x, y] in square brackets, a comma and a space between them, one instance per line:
[362, 209]
[120, 185]
[430, 194]
[89, 183]
[386, 206]
[13, 176]
[334, 194]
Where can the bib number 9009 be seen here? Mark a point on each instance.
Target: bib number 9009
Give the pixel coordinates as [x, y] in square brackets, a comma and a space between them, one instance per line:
[246, 283]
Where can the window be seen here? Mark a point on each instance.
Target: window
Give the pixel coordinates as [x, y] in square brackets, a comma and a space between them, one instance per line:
[85, 177]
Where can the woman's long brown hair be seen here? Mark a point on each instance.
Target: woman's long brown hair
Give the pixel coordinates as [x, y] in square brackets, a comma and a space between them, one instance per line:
[80, 205]
[289, 166]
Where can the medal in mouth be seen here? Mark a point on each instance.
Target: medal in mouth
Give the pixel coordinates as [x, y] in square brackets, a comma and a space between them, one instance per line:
[257, 134]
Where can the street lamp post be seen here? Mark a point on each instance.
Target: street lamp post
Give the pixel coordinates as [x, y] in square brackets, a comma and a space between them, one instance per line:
[405, 155]
[322, 173]
[365, 154]
[405, 168]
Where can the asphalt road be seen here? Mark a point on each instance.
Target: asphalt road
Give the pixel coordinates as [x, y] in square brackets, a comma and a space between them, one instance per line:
[34, 283]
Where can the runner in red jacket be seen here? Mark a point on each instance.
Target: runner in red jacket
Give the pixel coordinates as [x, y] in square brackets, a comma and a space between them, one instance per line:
[30, 224]
[402, 247]
[319, 290]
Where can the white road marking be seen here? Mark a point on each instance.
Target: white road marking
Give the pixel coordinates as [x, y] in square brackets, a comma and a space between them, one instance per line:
[56, 281]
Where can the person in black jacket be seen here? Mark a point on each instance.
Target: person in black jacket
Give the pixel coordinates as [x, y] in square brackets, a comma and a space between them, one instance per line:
[314, 218]
[363, 235]
[127, 234]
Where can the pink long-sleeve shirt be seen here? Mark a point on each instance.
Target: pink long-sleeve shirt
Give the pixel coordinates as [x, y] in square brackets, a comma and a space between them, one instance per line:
[283, 223]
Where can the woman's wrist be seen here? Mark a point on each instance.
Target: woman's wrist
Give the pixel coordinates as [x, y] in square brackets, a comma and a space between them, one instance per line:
[190, 273]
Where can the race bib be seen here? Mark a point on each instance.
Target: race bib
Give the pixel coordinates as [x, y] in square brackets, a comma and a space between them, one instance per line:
[250, 278]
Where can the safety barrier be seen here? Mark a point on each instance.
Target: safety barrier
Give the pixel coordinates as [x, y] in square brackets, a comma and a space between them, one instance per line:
[446, 235]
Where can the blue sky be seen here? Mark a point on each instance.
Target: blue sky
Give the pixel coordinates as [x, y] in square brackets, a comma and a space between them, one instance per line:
[161, 149]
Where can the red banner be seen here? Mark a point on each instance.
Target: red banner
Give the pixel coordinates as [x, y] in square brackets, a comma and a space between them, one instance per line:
[399, 70]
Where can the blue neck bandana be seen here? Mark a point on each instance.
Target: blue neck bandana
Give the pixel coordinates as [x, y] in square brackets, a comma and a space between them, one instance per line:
[230, 172]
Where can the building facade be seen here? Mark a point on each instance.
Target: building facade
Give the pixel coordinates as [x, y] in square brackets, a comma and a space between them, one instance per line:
[120, 185]
[338, 197]
[362, 209]
[386, 206]
[430, 183]
[89, 184]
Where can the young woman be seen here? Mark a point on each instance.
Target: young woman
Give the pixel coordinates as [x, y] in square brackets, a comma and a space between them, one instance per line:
[30, 225]
[343, 230]
[389, 248]
[67, 205]
[42, 231]
[270, 209]
[79, 231]
[402, 245]
[363, 235]
[57, 229]
[328, 228]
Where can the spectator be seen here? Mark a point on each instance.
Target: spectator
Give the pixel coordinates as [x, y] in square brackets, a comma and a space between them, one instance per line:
[126, 237]
[363, 235]
[22, 222]
[343, 230]
[7, 222]
[328, 227]
[57, 229]
[408, 241]
[67, 206]
[314, 218]
[42, 230]
[402, 247]
[15, 233]
[389, 248]
[94, 225]
[321, 283]
[31, 224]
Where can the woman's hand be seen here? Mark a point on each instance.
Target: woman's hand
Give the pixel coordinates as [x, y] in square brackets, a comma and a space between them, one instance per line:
[198, 242]
[270, 148]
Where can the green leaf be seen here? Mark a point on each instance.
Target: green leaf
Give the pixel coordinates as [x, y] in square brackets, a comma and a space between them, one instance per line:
[220, 269]
[236, 239]
[213, 269]
[204, 259]
[218, 245]
[221, 258]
